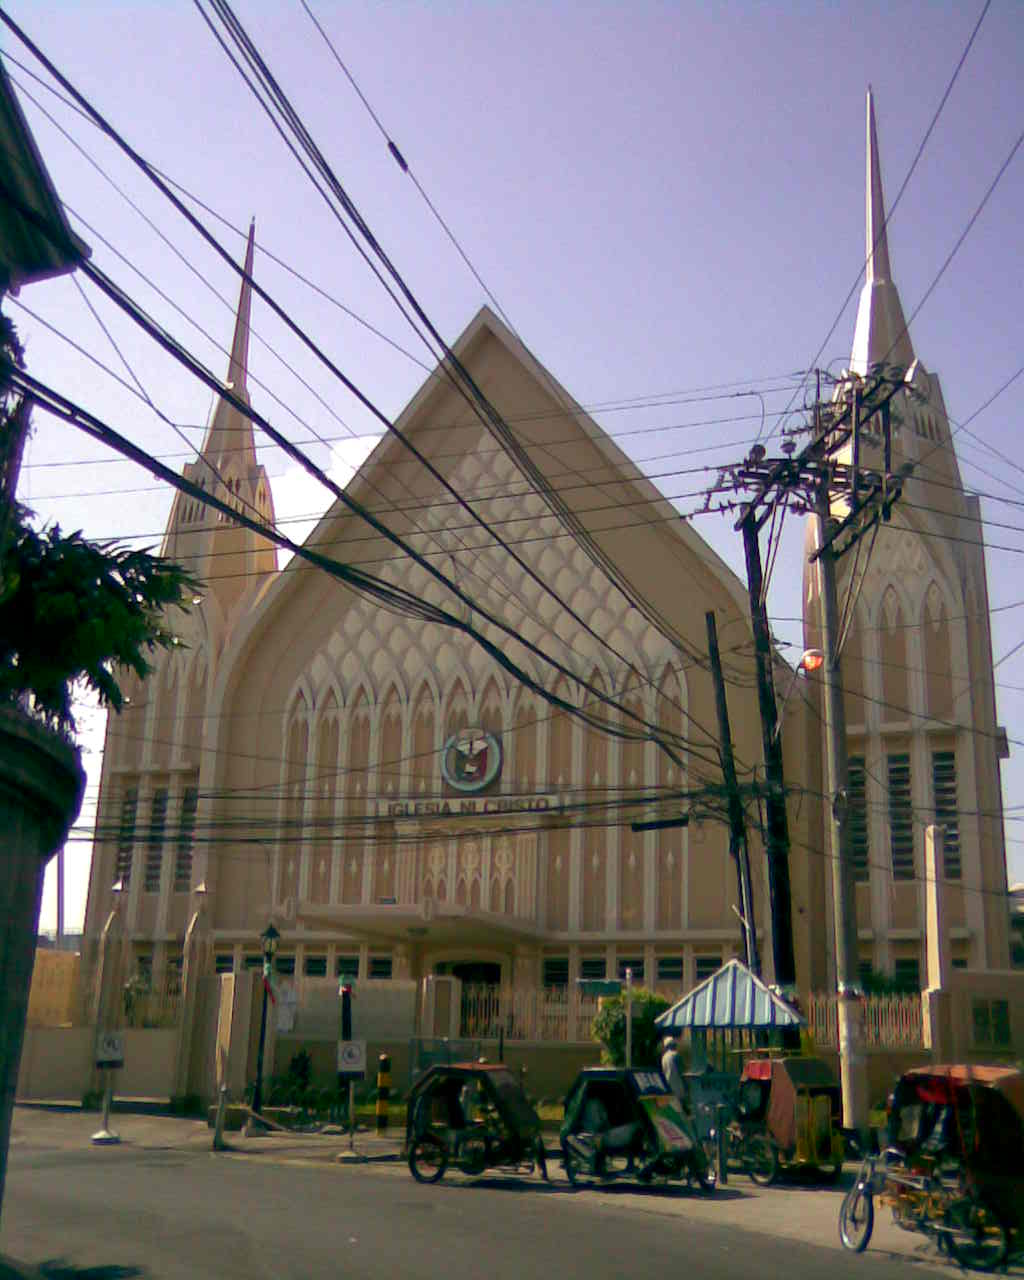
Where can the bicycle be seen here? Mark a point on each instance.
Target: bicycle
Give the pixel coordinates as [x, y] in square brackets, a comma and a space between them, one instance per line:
[939, 1202]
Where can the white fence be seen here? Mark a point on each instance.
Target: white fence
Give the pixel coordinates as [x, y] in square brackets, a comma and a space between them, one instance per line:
[890, 1021]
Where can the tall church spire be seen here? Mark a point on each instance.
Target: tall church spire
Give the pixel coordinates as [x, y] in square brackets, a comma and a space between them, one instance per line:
[229, 433]
[239, 364]
[881, 333]
[225, 555]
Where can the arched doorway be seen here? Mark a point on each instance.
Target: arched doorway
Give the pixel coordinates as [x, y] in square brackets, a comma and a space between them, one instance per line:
[474, 972]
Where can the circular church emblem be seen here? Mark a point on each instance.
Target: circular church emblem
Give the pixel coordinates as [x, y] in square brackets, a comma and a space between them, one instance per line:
[471, 760]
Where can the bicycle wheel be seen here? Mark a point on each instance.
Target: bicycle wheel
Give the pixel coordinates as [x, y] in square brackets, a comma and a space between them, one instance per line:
[856, 1220]
[428, 1160]
[760, 1159]
[705, 1172]
[576, 1168]
[978, 1239]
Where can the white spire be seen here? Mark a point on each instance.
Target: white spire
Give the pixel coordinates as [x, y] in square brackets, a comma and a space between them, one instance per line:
[881, 332]
[229, 433]
[239, 363]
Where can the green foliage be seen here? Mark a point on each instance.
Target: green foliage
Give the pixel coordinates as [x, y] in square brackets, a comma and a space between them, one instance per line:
[300, 1070]
[876, 983]
[609, 1028]
[72, 610]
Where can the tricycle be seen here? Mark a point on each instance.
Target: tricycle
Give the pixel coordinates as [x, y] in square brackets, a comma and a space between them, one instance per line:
[628, 1124]
[954, 1166]
[794, 1103]
[473, 1116]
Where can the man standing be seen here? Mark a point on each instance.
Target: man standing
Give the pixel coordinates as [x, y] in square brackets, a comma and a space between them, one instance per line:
[671, 1069]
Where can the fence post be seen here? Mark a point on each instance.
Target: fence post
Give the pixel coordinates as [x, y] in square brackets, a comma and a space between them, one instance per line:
[383, 1091]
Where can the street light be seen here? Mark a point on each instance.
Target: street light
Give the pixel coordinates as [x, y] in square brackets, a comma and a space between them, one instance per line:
[268, 939]
[810, 660]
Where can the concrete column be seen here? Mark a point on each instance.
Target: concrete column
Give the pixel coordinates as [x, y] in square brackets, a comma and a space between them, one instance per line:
[196, 965]
[936, 1000]
[41, 786]
[936, 934]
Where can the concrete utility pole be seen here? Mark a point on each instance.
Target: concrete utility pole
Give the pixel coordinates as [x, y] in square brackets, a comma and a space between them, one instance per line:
[737, 825]
[809, 482]
[853, 1066]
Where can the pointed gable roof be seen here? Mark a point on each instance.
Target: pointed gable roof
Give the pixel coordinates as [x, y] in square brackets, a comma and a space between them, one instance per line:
[881, 333]
[731, 997]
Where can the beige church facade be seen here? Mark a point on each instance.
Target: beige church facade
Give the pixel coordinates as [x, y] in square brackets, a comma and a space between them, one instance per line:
[399, 804]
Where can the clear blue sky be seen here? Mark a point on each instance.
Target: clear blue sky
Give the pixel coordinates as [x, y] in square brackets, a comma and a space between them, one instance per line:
[662, 198]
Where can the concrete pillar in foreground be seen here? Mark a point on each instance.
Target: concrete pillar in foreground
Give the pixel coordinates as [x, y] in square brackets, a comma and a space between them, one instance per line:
[936, 1000]
[41, 785]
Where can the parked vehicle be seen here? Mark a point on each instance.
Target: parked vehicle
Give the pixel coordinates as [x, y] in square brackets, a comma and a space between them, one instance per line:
[629, 1124]
[794, 1102]
[749, 1146]
[473, 1116]
[954, 1169]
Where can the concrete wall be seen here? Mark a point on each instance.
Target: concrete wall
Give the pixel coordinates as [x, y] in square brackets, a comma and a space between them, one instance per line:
[969, 989]
[56, 1063]
[149, 1060]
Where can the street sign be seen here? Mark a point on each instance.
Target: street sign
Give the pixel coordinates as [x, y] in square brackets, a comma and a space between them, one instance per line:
[599, 986]
[110, 1049]
[352, 1059]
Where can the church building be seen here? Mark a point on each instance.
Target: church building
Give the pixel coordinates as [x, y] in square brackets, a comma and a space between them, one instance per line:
[399, 804]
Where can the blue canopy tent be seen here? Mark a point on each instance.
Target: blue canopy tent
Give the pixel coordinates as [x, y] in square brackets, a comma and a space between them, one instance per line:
[736, 1007]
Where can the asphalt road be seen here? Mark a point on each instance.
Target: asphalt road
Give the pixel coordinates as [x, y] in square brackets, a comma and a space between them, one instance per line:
[116, 1213]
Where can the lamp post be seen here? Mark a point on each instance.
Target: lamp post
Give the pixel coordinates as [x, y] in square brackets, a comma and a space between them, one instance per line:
[268, 938]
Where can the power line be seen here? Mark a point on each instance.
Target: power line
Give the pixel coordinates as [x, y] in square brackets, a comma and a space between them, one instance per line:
[883, 230]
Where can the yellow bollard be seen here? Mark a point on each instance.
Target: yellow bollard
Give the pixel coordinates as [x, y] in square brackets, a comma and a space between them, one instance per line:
[383, 1090]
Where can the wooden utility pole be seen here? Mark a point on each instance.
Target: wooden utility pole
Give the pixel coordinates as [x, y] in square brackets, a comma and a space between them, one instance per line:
[737, 824]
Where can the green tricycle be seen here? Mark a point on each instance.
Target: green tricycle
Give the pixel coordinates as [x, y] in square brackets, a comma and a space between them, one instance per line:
[628, 1124]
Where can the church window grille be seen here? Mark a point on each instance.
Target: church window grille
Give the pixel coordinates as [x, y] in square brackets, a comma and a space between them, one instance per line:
[347, 967]
[315, 966]
[285, 965]
[556, 971]
[126, 835]
[946, 813]
[901, 817]
[858, 819]
[707, 965]
[186, 835]
[636, 964]
[670, 968]
[380, 967]
[592, 967]
[224, 962]
[155, 840]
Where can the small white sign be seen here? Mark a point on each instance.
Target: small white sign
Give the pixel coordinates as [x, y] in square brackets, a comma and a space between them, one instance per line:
[352, 1058]
[110, 1049]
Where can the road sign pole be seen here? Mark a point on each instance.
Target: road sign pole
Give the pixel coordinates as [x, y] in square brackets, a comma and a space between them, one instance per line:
[106, 1136]
[629, 1019]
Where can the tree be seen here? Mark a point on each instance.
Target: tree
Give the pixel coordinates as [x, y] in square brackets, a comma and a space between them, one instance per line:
[609, 1028]
[70, 609]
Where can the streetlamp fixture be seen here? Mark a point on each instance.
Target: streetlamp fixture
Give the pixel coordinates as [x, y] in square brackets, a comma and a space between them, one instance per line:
[268, 939]
[810, 660]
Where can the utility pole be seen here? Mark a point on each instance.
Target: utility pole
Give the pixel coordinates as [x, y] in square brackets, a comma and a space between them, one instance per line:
[779, 892]
[853, 1067]
[737, 825]
[809, 482]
